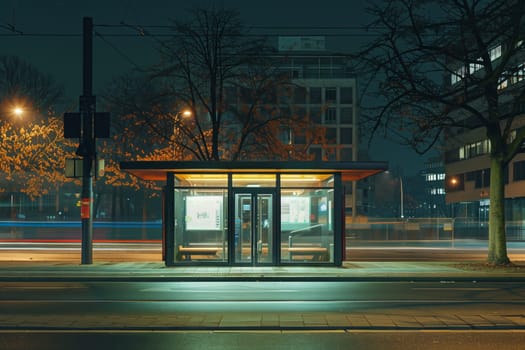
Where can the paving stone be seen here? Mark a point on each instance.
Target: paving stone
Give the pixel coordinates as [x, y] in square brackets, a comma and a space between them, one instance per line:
[380, 320]
[291, 323]
[311, 320]
[405, 321]
[429, 321]
[290, 318]
[451, 320]
[337, 320]
[358, 321]
[519, 320]
[270, 317]
[498, 320]
[475, 320]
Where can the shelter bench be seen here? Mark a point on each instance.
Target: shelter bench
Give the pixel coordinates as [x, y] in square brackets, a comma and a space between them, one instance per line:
[317, 253]
[188, 252]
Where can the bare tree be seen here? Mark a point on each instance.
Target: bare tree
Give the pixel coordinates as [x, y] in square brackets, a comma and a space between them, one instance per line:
[238, 98]
[226, 77]
[421, 42]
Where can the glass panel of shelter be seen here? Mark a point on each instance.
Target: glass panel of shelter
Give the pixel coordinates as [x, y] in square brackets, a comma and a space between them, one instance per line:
[201, 217]
[307, 211]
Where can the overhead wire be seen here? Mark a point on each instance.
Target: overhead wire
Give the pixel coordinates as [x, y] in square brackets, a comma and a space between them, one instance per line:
[327, 31]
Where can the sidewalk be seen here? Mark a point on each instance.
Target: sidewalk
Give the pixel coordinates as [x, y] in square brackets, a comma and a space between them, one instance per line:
[424, 318]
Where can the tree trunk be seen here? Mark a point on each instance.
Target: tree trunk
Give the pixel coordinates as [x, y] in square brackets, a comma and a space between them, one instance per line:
[497, 254]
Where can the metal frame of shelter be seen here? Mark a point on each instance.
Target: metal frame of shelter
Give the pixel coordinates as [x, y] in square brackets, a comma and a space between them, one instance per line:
[249, 212]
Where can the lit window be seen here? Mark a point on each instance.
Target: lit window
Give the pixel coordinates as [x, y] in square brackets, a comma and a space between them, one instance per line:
[503, 82]
[519, 75]
[462, 153]
[495, 53]
[457, 75]
[474, 67]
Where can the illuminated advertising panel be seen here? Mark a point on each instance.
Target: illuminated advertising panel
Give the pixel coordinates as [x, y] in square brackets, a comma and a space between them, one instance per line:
[295, 210]
[204, 213]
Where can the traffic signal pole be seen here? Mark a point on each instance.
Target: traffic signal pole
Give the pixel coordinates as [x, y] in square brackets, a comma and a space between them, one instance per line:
[87, 143]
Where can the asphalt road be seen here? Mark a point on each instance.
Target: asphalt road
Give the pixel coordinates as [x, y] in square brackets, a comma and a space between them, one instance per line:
[248, 297]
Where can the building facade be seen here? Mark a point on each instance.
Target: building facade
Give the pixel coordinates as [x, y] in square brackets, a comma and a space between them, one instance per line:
[326, 92]
[467, 154]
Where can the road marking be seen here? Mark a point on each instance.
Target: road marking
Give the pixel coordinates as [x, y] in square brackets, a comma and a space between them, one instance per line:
[457, 288]
[42, 287]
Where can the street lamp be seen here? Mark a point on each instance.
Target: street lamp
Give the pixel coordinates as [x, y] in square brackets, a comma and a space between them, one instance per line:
[186, 113]
[401, 196]
[18, 111]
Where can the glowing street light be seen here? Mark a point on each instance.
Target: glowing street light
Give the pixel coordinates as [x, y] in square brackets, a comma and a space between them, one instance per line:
[18, 111]
[186, 113]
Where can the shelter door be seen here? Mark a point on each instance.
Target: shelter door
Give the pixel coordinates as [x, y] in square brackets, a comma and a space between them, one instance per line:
[254, 226]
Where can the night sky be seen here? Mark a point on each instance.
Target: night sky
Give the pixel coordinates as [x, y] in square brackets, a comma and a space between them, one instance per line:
[48, 44]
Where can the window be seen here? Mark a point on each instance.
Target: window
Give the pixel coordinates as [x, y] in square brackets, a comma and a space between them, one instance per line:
[253, 180]
[347, 114]
[519, 171]
[346, 154]
[474, 149]
[495, 53]
[482, 178]
[315, 115]
[346, 95]
[330, 116]
[315, 95]
[474, 67]
[331, 135]
[457, 75]
[300, 94]
[330, 95]
[462, 153]
[345, 136]
[503, 82]
[519, 74]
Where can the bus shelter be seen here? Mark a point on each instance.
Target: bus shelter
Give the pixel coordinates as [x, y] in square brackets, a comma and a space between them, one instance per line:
[253, 212]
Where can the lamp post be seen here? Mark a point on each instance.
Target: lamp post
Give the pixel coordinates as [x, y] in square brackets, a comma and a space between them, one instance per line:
[401, 195]
[180, 119]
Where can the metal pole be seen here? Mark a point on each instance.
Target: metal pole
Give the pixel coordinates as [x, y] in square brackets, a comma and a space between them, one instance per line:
[87, 144]
[401, 196]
